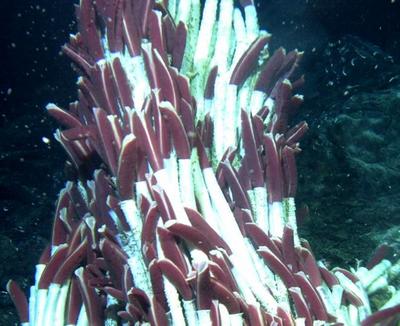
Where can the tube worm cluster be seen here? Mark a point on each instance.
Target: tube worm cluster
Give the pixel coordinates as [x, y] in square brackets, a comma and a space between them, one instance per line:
[183, 211]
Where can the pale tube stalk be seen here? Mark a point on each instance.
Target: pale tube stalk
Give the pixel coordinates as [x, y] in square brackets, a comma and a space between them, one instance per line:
[276, 223]
[186, 183]
[230, 119]
[233, 237]
[40, 309]
[290, 212]
[82, 318]
[163, 180]
[204, 317]
[51, 303]
[189, 308]
[171, 294]
[256, 101]
[261, 208]
[59, 316]
[202, 195]
[224, 36]
[251, 19]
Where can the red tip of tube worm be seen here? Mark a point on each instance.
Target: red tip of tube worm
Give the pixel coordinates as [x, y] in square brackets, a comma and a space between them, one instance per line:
[316, 305]
[168, 89]
[131, 33]
[203, 159]
[347, 273]
[79, 133]
[156, 36]
[117, 294]
[127, 315]
[248, 61]
[170, 30]
[255, 316]
[189, 234]
[268, 76]
[273, 171]
[285, 317]
[107, 90]
[164, 203]
[289, 171]
[251, 152]
[210, 84]
[112, 16]
[88, 29]
[149, 252]
[154, 117]
[215, 315]
[244, 177]
[52, 267]
[171, 249]
[217, 272]
[238, 194]
[381, 315]
[113, 203]
[187, 117]
[294, 103]
[94, 306]
[63, 117]
[294, 134]
[183, 84]
[201, 224]
[203, 287]
[150, 224]
[179, 136]
[150, 66]
[380, 253]
[242, 216]
[301, 306]
[329, 278]
[74, 303]
[176, 277]
[82, 61]
[288, 251]
[290, 64]
[143, 15]
[261, 115]
[115, 260]
[207, 131]
[140, 298]
[158, 313]
[158, 284]
[122, 84]
[133, 312]
[71, 263]
[63, 227]
[277, 266]
[283, 95]
[220, 258]
[127, 167]
[19, 299]
[107, 138]
[225, 296]
[261, 239]
[178, 50]
[146, 134]
[353, 299]
[310, 267]
[245, 3]
[298, 83]
[45, 256]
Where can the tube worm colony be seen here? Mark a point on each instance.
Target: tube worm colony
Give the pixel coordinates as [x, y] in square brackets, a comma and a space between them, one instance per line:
[183, 212]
